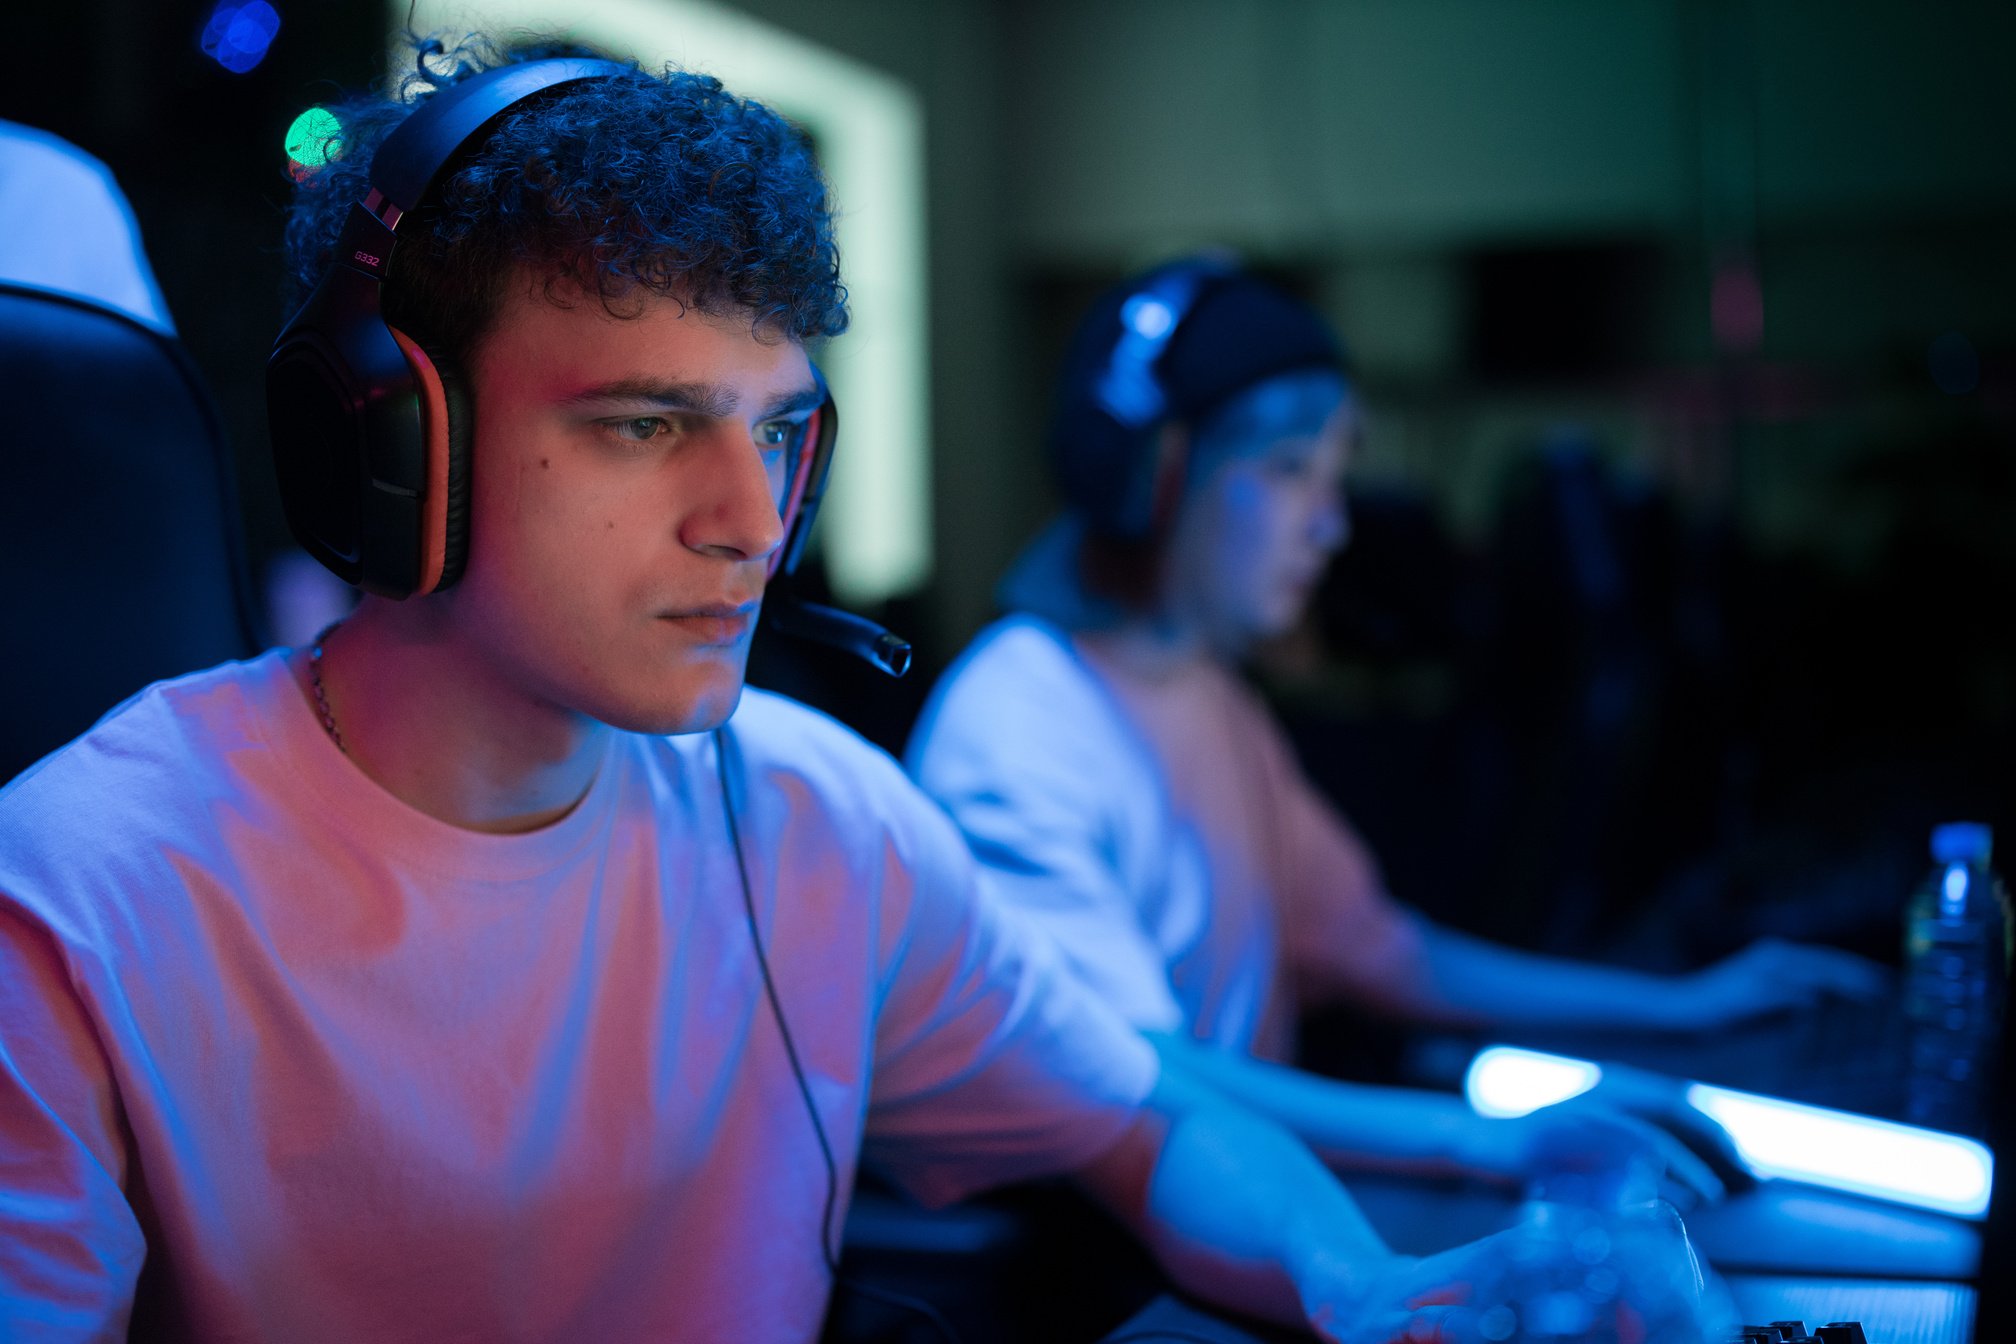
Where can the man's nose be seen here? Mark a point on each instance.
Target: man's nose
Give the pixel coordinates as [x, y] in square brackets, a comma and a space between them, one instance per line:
[738, 519]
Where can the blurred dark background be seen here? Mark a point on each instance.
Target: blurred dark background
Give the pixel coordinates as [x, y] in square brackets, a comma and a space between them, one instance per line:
[1680, 601]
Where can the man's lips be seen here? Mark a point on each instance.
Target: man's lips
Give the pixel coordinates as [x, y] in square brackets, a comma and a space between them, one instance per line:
[713, 623]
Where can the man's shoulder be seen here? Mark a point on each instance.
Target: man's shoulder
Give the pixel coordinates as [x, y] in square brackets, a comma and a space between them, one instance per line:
[1020, 684]
[1017, 665]
[152, 738]
[153, 749]
[1023, 654]
[777, 737]
[817, 791]
[126, 796]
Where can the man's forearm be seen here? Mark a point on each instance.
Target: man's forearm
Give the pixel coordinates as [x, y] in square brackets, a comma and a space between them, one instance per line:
[1459, 979]
[1238, 1212]
[1348, 1124]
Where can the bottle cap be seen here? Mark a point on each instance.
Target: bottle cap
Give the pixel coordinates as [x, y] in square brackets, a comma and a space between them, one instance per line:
[1962, 842]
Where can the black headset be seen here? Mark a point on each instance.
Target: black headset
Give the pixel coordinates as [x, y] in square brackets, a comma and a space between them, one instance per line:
[1104, 444]
[371, 429]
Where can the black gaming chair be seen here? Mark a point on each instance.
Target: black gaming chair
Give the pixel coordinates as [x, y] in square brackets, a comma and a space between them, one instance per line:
[121, 552]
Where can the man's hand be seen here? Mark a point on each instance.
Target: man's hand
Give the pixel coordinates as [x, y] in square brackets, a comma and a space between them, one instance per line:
[1564, 1272]
[1589, 1143]
[1770, 976]
[1468, 981]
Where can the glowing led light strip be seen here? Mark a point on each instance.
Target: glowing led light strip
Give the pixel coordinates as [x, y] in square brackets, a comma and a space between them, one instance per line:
[1504, 1081]
[1852, 1152]
[1783, 1139]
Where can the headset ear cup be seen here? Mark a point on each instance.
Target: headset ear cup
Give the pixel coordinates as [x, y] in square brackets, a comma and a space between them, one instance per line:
[446, 419]
[1104, 470]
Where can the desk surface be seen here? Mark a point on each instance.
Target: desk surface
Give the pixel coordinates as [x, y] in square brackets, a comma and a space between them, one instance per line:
[1889, 1312]
[1776, 1227]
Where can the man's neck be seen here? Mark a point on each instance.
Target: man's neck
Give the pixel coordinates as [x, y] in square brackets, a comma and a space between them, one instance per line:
[437, 724]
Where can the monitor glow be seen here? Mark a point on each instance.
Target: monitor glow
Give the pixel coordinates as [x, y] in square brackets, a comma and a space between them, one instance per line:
[1776, 1139]
[1856, 1153]
[1505, 1081]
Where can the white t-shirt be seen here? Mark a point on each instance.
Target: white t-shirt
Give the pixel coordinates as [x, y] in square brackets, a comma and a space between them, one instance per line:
[339, 1071]
[1159, 829]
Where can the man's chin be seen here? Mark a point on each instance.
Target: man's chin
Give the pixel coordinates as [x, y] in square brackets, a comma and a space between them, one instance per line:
[1273, 623]
[699, 710]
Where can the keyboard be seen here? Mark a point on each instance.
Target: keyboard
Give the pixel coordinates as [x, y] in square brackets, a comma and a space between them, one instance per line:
[1887, 1311]
[1169, 1319]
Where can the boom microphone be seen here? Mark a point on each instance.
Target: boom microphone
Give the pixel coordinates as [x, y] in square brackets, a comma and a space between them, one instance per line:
[841, 630]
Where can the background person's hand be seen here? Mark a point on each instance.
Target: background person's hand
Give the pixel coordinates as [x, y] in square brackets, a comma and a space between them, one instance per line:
[1604, 1155]
[1769, 976]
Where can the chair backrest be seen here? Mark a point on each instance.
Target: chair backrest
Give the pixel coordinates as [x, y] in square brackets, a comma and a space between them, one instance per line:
[121, 545]
[68, 227]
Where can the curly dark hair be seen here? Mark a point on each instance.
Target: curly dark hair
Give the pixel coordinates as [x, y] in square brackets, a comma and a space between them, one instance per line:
[639, 183]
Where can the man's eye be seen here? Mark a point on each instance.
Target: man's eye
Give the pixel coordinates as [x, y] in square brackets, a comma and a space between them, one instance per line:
[776, 433]
[638, 428]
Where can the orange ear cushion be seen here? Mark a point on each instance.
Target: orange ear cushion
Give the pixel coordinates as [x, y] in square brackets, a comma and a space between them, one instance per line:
[461, 419]
[444, 420]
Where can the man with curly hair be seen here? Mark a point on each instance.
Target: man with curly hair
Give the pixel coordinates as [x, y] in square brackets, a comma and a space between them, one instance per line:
[498, 968]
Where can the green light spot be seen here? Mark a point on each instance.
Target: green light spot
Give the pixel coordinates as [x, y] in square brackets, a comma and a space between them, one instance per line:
[315, 137]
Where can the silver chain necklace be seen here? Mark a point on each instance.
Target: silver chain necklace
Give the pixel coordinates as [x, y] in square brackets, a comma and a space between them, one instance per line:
[322, 696]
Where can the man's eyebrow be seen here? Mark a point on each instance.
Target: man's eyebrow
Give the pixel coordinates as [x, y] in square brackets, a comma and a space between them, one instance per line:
[807, 398]
[709, 399]
[697, 398]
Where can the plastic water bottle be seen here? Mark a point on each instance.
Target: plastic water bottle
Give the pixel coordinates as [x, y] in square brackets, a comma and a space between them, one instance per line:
[1956, 966]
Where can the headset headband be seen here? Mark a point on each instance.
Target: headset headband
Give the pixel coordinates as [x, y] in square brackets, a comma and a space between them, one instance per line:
[1129, 389]
[418, 148]
[1102, 448]
[405, 165]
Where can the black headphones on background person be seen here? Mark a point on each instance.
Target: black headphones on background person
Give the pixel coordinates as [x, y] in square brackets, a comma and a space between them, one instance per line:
[372, 430]
[1174, 344]
[1104, 447]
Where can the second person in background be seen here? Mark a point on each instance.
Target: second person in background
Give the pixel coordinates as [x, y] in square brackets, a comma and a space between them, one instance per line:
[1127, 792]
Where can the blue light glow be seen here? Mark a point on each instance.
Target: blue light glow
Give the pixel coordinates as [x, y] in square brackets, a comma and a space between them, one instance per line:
[1148, 316]
[1956, 888]
[1856, 1153]
[239, 32]
[1504, 1081]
